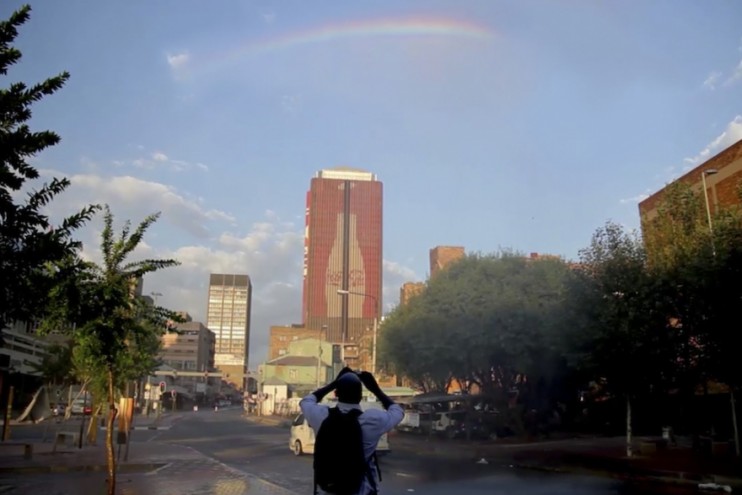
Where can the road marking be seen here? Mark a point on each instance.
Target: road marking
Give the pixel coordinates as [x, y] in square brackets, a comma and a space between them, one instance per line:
[406, 475]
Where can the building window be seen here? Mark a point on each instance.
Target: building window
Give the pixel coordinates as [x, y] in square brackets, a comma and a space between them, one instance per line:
[292, 374]
[281, 352]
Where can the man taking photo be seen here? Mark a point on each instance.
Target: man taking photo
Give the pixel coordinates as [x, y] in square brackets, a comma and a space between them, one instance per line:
[346, 436]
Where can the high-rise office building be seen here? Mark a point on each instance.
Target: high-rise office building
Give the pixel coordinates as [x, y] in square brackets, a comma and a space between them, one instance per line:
[343, 251]
[228, 316]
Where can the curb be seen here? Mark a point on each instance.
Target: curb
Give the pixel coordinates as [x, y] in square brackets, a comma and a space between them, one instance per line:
[103, 428]
[657, 476]
[121, 468]
[629, 473]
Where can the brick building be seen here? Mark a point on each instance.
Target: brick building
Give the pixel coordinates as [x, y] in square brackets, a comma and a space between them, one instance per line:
[281, 338]
[442, 256]
[410, 290]
[723, 179]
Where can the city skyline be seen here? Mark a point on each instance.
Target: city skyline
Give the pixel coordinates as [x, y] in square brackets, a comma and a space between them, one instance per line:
[493, 125]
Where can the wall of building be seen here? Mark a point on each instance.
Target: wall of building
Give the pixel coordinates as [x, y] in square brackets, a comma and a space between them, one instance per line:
[442, 256]
[410, 290]
[228, 316]
[191, 350]
[722, 187]
[282, 336]
[343, 203]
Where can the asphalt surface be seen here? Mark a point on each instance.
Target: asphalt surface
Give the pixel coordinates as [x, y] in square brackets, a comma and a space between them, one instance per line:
[263, 451]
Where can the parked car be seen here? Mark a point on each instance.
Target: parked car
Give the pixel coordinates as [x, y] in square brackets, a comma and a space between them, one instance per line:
[81, 406]
[301, 439]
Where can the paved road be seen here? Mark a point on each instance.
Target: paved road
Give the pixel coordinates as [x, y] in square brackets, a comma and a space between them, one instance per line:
[263, 451]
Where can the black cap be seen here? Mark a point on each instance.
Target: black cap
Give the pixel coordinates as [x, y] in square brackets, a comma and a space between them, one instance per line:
[349, 389]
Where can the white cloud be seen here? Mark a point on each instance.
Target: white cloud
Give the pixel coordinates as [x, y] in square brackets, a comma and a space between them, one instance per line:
[178, 60]
[634, 199]
[139, 198]
[736, 75]
[731, 135]
[395, 275]
[711, 80]
[158, 159]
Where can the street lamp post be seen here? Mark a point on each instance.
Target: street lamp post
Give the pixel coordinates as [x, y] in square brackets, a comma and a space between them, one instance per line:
[343, 292]
[155, 295]
[319, 350]
[712, 171]
[709, 171]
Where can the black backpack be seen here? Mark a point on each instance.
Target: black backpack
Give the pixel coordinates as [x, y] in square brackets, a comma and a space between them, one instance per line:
[340, 464]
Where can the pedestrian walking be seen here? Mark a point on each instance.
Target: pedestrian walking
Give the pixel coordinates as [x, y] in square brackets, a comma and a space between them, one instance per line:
[346, 436]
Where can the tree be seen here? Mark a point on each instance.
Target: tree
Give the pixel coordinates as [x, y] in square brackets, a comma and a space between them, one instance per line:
[424, 338]
[113, 330]
[485, 321]
[700, 266]
[615, 331]
[29, 242]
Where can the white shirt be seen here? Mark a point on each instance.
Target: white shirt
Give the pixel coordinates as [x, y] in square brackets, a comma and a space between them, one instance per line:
[374, 423]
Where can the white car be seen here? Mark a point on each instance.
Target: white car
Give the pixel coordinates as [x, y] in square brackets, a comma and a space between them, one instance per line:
[81, 406]
[301, 440]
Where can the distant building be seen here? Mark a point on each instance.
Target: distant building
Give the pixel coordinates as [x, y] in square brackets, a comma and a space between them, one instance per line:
[442, 256]
[228, 316]
[191, 348]
[343, 251]
[23, 349]
[299, 366]
[410, 290]
[282, 336]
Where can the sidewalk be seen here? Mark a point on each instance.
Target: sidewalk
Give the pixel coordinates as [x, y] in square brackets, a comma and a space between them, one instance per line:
[595, 456]
[153, 468]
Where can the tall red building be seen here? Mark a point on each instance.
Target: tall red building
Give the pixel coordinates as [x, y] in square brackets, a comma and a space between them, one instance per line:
[343, 251]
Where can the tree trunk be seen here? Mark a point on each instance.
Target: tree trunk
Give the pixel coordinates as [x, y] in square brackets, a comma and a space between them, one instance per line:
[93, 426]
[110, 457]
[734, 422]
[629, 451]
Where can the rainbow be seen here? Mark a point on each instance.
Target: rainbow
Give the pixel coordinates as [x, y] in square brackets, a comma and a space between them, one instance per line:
[405, 27]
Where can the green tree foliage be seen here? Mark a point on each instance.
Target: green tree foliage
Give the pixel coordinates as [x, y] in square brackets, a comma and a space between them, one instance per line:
[29, 242]
[616, 330]
[116, 334]
[485, 320]
[700, 266]
[56, 366]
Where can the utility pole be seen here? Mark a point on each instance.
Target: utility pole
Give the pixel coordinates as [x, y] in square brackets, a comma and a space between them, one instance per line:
[346, 294]
[319, 352]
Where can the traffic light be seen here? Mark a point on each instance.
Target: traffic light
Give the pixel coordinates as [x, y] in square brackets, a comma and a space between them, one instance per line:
[162, 387]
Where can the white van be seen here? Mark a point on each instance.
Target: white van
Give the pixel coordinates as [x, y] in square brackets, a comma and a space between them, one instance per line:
[301, 440]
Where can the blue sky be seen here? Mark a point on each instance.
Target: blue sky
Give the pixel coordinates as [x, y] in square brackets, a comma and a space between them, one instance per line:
[493, 124]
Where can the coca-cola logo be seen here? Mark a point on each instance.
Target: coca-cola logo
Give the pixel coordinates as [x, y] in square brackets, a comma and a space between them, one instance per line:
[334, 278]
[357, 278]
